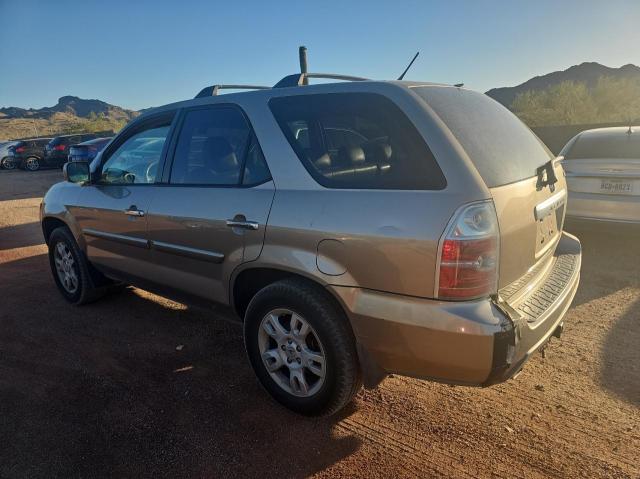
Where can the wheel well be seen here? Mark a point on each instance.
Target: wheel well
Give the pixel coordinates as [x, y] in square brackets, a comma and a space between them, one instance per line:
[50, 224]
[250, 281]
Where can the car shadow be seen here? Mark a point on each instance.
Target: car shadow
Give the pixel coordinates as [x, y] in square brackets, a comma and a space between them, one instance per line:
[19, 236]
[135, 385]
[620, 372]
[610, 261]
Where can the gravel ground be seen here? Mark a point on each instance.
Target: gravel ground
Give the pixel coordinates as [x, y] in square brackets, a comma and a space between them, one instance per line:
[104, 390]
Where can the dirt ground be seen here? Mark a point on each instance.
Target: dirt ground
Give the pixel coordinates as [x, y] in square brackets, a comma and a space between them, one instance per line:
[102, 391]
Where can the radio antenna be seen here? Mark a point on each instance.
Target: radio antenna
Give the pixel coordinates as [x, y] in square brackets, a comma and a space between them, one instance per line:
[409, 66]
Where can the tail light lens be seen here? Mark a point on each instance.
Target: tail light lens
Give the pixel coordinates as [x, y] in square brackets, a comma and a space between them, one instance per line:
[469, 253]
[59, 147]
[20, 149]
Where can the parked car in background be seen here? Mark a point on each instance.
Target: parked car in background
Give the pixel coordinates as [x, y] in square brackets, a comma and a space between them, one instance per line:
[57, 150]
[28, 154]
[603, 175]
[5, 160]
[425, 239]
[88, 150]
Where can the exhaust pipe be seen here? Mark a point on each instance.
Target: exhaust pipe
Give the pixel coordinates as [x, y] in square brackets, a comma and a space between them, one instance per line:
[559, 330]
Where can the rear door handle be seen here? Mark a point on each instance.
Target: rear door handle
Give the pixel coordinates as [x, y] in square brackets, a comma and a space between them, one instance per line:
[134, 211]
[248, 225]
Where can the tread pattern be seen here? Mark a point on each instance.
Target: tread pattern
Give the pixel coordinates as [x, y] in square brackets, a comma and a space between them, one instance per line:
[337, 335]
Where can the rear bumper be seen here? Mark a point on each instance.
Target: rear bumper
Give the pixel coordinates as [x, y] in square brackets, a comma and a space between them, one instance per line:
[599, 207]
[472, 343]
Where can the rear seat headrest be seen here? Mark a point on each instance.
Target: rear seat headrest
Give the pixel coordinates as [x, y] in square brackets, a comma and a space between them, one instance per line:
[323, 162]
[350, 156]
[378, 152]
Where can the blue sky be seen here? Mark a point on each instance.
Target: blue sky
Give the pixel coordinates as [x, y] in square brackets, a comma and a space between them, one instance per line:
[143, 53]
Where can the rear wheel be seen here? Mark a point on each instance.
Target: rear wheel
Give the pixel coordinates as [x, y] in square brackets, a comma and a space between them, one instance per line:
[71, 271]
[32, 164]
[7, 163]
[301, 347]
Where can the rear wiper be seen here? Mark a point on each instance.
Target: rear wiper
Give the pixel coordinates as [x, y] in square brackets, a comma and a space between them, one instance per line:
[546, 176]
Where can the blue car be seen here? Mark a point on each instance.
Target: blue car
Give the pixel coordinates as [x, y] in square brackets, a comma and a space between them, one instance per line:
[88, 150]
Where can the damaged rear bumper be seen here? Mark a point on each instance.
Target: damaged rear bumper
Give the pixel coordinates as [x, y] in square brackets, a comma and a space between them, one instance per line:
[475, 343]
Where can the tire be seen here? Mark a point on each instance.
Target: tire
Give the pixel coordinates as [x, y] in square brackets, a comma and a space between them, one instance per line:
[82, 290]
[330, 383]
[7, 163]
[32, 163]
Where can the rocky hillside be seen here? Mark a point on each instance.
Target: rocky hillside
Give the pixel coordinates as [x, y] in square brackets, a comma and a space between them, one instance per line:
[71, 114]
[586, 73]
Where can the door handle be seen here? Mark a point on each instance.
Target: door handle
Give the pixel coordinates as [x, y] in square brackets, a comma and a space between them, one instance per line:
[248, 225]
[133, 211]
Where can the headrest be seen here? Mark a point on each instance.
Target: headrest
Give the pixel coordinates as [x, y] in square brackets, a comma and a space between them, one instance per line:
[323, 162]
[218, 155]
[350, 155]
[378, 152]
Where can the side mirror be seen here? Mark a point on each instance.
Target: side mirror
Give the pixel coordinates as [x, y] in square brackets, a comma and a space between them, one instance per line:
[76, 172]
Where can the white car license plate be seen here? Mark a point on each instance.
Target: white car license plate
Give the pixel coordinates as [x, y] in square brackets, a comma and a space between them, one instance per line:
[616, 187]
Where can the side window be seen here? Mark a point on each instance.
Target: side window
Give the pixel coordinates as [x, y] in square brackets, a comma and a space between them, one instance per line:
[216, 147]
[256, 170]
[357, 140]
[136, 160]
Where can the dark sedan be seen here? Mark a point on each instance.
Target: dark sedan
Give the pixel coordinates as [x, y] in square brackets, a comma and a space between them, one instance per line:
[88, 150]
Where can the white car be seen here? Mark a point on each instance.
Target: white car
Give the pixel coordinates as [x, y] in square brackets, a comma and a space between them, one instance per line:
[602, 167]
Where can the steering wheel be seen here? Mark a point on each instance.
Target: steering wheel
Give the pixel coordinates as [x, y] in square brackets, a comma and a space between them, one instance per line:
[151, 172]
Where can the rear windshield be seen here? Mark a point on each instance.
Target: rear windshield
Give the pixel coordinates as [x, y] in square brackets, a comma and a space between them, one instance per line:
[614, 146]
[357, 140]
[502, 148]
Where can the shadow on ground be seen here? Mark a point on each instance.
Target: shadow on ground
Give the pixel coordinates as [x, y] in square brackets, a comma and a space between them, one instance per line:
[94, 391]
[19, 236]
[610, 263]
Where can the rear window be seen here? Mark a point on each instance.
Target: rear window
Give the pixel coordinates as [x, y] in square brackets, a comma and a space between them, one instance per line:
[618, 146]
[357, 140]
[502, 148]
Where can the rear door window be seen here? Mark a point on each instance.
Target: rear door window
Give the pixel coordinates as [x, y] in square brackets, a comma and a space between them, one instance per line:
[216, 146]
[502, 148]
[357, 140]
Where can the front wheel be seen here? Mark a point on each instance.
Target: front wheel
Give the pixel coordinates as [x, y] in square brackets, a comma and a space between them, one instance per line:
[302, 348]
[71, 270]
[32, 164]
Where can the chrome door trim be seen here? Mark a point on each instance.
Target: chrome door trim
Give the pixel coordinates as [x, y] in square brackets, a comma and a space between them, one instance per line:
[549, 205]
[195, 253]
[130, 240]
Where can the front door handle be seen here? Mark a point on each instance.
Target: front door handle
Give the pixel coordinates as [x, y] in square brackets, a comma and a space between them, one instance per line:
[134, 211]
[248, 225]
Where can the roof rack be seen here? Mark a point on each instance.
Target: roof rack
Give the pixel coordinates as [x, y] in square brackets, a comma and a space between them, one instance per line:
[299, 79]
[213, 89]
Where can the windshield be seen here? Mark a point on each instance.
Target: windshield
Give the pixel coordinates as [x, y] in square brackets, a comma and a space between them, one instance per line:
[503, 149]
[604, 146]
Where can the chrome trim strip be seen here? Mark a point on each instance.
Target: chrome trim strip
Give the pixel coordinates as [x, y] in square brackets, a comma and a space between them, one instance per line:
[195, 253]
[130, 240]
[549, 205]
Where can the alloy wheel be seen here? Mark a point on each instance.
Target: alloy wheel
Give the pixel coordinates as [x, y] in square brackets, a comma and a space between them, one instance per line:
[292, 353]
[66, 268]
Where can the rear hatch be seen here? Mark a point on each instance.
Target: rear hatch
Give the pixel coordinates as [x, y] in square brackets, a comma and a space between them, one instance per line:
[604, 162]
[527, 185]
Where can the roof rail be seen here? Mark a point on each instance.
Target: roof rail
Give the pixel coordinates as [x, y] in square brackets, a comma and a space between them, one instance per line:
[213, 89]
[298, 79]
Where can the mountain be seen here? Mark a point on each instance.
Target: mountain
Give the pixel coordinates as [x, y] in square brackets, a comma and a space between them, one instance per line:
[70, 115]
[70, 104]
[588, 73]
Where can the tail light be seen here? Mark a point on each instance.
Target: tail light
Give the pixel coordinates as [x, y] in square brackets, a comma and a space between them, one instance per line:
[59, 147]
[20, 149]
[469, 252]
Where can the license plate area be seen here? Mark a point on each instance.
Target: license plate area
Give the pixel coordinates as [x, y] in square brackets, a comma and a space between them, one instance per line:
[549, 214]
[616, 187]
